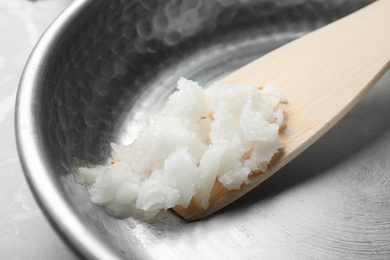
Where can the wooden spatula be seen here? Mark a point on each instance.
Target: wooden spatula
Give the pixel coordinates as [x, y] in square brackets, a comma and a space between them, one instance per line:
[323, 75]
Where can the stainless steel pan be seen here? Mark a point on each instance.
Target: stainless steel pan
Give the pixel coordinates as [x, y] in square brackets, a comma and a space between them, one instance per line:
[102, 66]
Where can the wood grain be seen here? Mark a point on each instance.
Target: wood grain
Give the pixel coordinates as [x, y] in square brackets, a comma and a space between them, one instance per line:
[323, 75]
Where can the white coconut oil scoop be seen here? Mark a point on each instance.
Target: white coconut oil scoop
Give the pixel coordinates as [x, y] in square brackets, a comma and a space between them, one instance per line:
[323, 75]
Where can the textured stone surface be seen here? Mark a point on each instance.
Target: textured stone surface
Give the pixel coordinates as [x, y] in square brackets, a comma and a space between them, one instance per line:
[25, 232]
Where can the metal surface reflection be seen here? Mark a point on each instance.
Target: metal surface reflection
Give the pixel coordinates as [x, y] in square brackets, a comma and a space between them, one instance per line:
[104, 65]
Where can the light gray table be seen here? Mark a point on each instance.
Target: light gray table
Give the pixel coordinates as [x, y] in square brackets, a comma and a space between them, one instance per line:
[24, 232]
